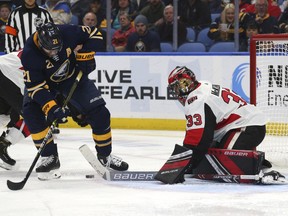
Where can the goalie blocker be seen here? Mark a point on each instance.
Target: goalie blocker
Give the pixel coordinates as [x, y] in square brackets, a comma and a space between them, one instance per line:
[221, 162]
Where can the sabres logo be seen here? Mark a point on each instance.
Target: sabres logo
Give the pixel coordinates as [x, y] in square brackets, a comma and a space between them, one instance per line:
[62, 73]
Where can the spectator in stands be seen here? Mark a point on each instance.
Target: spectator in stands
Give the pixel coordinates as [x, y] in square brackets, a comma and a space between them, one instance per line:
[138, 5]
[267, 24]
[4, 14]
[80, 8]
[122, 6]
[272, 8]
[90, 19]
[165, 29]
[120, 36]
[143, 39]
[96, 6]
[215, 6]
[283, 5]
[22, 23]
[60, 11]
[283, 21]
[223, 27]
[243, 4]
[251, 30]
[154, 13]
[194, 13]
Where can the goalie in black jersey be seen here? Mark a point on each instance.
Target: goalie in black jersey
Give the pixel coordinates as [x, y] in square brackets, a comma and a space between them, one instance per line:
[51, 67]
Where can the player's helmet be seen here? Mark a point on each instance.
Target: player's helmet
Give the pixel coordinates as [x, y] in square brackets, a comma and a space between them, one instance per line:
[49, 37]
[181, 82]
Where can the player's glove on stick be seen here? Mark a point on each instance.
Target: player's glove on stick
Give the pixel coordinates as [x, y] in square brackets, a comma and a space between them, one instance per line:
[54, 112]
[85, 61]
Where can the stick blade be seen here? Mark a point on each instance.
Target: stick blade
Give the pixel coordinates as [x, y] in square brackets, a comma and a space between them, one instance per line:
[15, 185]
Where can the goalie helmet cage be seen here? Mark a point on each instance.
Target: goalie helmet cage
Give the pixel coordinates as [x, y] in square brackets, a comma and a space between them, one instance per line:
[269, 91]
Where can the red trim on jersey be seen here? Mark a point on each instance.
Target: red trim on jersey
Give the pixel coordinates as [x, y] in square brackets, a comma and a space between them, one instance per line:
[224, 122]
[25, 131]
[20, 53]
[230, 137]
[193, 137]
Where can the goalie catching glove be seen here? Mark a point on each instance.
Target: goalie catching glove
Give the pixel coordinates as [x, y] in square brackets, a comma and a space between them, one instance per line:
[54, 112]
[85, 61]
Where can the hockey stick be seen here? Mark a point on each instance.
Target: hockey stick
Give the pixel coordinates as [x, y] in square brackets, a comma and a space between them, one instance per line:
[111, 175]
[19, 185]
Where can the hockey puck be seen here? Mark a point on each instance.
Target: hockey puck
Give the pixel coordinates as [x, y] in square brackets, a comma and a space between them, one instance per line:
[89, 176]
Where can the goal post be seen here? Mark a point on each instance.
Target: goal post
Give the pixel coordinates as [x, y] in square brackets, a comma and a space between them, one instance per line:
[269, 91]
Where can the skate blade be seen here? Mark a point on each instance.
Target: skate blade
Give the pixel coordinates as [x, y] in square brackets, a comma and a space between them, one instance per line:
[53, 174]
[8, 166]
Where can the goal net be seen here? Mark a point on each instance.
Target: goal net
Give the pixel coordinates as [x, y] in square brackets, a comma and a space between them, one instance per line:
[269, 91]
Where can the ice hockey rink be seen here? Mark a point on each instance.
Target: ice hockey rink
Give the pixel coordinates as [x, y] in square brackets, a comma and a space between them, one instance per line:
[74, 195]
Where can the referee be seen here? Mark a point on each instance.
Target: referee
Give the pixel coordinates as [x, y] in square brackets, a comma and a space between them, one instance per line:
[21, 24]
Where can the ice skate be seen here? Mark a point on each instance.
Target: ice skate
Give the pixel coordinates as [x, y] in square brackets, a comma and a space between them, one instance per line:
[48, 168]
[113, 162]
[7, 162]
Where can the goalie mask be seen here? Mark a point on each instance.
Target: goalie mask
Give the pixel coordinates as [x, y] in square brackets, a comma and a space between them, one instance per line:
[49, 39]
[181, 82]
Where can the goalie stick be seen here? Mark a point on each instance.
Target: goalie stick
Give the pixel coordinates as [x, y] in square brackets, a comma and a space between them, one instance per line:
[19, 185]
[111, 175]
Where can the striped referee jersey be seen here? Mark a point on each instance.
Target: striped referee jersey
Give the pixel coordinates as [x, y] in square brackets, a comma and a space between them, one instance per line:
[21, 24]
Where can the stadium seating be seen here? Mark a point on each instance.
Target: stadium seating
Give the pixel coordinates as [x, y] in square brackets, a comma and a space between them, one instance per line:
[112, 31]
[203, 38]
[74, 20]
[166, 47]
[222, 47]
[191, 34]
[214, 16]
[192, 47]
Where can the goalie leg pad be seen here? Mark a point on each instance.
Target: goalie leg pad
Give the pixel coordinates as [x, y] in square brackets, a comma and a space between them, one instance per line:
[175, 167]
[231, 162]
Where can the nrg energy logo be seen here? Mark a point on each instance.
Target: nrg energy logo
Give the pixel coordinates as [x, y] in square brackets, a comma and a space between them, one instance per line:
[240, 80]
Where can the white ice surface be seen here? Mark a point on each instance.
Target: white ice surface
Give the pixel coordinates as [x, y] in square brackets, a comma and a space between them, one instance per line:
[74, 195]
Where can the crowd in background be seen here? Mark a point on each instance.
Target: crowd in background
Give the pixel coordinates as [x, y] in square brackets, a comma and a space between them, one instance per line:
[142, 25]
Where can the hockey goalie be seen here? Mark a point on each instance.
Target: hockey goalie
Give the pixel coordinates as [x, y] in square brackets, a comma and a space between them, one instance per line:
[222, 133]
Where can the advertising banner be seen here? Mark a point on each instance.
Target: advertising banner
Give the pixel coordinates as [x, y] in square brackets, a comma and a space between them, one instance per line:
[136, 86]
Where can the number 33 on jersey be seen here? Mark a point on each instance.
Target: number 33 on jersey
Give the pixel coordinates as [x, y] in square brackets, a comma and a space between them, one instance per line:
[220, 107]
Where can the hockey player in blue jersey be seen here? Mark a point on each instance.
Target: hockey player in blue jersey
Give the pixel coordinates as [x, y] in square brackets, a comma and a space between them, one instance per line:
[51, 67]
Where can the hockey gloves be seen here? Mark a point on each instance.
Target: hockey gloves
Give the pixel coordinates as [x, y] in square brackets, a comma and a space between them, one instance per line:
[59, 114]
[85, 61]
[54, 112]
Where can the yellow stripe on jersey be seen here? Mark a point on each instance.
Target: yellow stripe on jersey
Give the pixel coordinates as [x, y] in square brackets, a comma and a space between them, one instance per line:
[102, 137]
[47, 107]
[103, 144]
[41, 135]
[41, 85]
[85, 56]
[33, 90]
